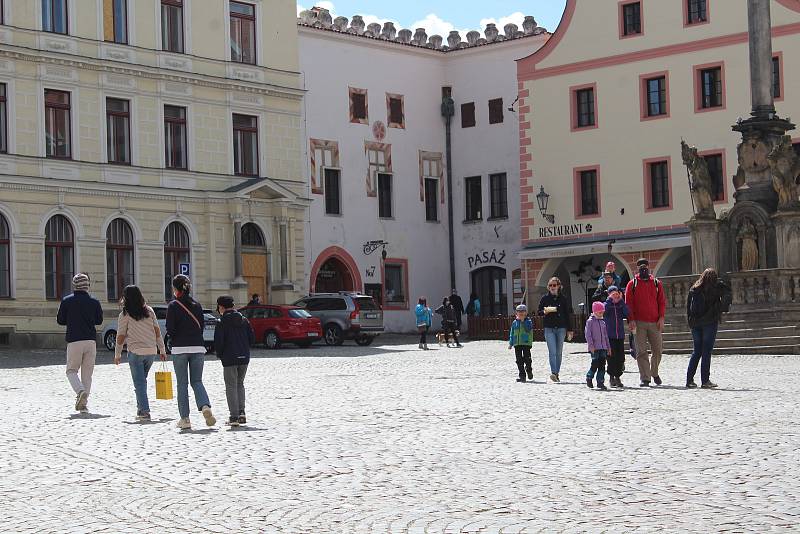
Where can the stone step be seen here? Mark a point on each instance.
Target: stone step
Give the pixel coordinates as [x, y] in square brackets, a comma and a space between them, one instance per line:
[750, 349]
[738, 332]
[738, 342]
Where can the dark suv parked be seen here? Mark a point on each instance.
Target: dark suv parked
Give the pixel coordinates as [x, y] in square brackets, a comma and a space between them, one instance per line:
[345, 316]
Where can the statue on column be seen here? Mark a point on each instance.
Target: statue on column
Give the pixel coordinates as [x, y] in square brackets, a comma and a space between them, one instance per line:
[748, 238]
[700, 183]
[784, 165]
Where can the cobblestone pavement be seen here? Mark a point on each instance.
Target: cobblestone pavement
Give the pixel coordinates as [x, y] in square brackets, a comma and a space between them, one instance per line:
[391, 439]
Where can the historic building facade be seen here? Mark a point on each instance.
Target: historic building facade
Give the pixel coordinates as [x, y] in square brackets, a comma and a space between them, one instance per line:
[378, 169]
[144, 138]
[601, 129]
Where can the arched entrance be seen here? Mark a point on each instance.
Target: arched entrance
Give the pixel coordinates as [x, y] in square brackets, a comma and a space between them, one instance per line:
[254, 261]
[335, 270]
[491, 286]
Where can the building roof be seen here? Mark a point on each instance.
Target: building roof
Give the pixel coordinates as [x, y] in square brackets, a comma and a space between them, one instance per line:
[320, 18]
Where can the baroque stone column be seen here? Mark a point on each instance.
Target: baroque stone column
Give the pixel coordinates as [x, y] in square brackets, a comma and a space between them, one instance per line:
[238, 279]
[705, 244]
[760, 30]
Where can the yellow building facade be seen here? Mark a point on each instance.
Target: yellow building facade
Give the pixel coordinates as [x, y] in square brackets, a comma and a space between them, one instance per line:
[144, 138]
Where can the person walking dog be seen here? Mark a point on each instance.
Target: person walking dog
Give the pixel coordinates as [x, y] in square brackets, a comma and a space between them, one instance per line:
[137, 327]
[647, 304]
[708, 299]
[81, 314]
[185, 329]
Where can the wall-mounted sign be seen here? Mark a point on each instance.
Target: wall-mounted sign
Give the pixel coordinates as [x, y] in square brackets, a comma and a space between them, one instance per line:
[370, 272]
[484, 257]
[565, 230]
[372, 246]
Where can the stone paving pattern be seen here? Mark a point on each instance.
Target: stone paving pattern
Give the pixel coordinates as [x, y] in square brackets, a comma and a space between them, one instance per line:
[390, 439]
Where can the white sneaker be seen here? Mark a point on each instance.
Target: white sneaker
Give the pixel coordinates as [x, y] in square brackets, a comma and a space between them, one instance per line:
[184, 423]
[210, 419]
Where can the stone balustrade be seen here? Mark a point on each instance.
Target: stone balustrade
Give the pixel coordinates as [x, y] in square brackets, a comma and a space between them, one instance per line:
[761, 287]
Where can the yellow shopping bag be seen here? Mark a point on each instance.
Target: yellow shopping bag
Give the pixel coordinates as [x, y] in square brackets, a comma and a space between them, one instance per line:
[164, 383]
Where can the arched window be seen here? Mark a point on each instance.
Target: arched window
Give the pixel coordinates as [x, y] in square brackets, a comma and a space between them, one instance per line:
[5, 258]
[176, 252]
[59, 257]
[119, 258]
[252, 236]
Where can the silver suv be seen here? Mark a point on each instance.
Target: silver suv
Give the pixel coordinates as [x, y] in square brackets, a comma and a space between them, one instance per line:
[345, 315]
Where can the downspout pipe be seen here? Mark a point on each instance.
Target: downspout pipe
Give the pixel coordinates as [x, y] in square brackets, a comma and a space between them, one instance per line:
[448, 111]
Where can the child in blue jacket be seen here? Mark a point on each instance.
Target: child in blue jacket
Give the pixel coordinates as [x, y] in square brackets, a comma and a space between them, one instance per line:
[520, 338]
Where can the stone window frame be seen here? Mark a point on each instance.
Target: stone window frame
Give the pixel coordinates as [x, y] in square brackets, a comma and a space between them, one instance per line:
[496, 106]
[356, 91]
[4, 104]
[69, 114]
[697, 71]
[622, 26]
[256, 133]
[320, 151]
[723, 154]
[403, 264]
[499, 201]
[69, 10]
[648, 184]
[644, 96]
[108, 15]
[573, 107]
[431, 158]
[186, 27]
[7, 240]
[687, 23]
[777, 58]
[389, 122]
[465, 123]
[379, 160]
[577, 178]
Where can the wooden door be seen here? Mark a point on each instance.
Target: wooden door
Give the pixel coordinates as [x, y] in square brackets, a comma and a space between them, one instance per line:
[255, 273]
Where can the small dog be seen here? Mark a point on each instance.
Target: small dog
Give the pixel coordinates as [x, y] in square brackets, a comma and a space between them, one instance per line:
[443, 338]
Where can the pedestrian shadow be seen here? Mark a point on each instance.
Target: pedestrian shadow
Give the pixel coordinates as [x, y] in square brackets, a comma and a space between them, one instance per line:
[246, 429]
[199, 432]
[87, 416]
[150, 422]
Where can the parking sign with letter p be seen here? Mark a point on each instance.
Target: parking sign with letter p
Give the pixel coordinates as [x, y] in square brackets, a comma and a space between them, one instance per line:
[183, 268]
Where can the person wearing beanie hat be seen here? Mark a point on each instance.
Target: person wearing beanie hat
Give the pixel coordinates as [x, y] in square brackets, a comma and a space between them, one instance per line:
[615, 315]
[81, 314]
[611, 267]
[597, 340]
[232, 340]
[520, 338]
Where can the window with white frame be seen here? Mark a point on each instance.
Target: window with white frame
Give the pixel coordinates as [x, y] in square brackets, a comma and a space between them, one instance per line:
[431, 171]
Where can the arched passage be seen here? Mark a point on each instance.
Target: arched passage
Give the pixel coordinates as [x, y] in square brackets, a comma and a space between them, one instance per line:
[335, 270]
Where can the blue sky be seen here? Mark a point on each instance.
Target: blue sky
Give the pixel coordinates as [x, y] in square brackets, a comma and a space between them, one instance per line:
[441, 16]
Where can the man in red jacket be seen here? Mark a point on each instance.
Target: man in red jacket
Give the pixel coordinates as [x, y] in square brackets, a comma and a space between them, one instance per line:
[645, 298]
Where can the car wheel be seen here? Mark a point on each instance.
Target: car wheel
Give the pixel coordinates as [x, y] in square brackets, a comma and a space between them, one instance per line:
[304, 344]
[272, 341]
[110, 339]
[365, 340]
[333, 335]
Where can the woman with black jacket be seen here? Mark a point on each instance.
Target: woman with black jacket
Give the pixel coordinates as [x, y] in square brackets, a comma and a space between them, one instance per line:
[708, 299]
[557, 312]
[185, 329]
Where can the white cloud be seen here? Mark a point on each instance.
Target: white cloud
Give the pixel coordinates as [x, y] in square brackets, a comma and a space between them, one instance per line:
[434, 25]
[515, 18]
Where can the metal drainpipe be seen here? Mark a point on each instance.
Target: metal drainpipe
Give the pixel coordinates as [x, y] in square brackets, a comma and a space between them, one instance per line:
[448, 111]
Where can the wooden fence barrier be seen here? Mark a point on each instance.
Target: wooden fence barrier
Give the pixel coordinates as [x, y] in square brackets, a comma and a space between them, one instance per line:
[498, 327]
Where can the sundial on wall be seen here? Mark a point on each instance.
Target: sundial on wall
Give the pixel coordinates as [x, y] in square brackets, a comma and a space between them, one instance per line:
[379, 130]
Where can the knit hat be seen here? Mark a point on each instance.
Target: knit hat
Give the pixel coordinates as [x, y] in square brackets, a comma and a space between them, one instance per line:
[80, 282]
[522, 308]
[612, 289]
[226, 301]
[642, 261]
[598, 307]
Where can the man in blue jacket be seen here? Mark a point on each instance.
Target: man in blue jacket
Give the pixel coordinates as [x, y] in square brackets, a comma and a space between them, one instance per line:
[232, 339]
[80, 313]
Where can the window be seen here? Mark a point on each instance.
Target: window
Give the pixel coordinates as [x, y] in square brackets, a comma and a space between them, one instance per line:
[323, 154]
[498, 194]
[359, 107]
[491, 286]
[57, 124]
[54, 16]
[496, 111]
[468, 115]
[776, 77]
[395, 111]
[333, 192]
[395, 281]
[175, 144]
[431, 199]
[431, 166]
[659, 184]
[379, 160]
[697, 11]
[176, 251]
[245, 145]
[118, 125]
[172, 26]
[59, 257]
[710, 81]
[715, 170]
[584, 105]
[252, 236]
[119, 258]
[5, 259]
[656, 96]
[243, 33]
[472, 186]
[384, 196]
[631, 19]
[3, 117]
[2, 12]
[590, 203]
[115, 21]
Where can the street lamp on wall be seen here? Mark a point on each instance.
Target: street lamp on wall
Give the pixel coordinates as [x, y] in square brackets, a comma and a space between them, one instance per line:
[543, 199]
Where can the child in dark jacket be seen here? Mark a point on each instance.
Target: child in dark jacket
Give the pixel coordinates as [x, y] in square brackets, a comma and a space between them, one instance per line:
[615, 315]
[232, 340]
[597, 339]
[520, 338]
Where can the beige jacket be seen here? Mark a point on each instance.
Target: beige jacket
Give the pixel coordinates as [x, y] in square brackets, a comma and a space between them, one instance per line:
[142, 337]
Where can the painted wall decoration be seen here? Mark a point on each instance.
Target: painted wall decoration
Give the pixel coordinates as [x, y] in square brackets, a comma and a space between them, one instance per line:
[324, 153]
[379, 130]
[379, 160]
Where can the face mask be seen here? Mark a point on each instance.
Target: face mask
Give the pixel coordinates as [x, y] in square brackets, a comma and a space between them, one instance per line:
[644, 273]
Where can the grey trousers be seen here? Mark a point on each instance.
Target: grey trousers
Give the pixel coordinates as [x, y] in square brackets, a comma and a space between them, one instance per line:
[234, 388]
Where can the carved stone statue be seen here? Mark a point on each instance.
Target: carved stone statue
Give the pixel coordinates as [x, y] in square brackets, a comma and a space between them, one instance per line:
[749, 239]
[700, 184]
[785, 168]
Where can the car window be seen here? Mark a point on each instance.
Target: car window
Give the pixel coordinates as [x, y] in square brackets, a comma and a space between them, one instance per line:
[275, 313]
[317, 305]
[366, 303]
[299, 314]
[259, 313]
[301, 303]
[247, 312]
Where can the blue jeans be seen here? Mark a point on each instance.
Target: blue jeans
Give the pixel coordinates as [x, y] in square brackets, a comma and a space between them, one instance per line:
[189, 368]
[140, 367]
[704, 338]
[555, 346]
[598, 366]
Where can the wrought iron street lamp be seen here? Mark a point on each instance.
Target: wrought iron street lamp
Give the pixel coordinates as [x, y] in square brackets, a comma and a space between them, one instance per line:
[543, 199]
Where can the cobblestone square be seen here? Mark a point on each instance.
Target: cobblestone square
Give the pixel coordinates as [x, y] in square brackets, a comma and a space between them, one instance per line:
[391, 439]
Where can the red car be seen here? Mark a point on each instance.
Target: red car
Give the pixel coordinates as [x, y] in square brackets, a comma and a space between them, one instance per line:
[274, 324]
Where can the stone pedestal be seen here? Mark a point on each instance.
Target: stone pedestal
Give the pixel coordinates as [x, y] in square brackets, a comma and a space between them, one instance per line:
[705, 244]
[787, 235]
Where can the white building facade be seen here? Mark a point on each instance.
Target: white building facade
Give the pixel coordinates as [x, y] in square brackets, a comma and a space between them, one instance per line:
[377, 162]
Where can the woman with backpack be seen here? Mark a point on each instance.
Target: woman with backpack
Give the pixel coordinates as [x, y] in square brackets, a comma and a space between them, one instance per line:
[185, 330]
[138, 328]
[708, 299]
